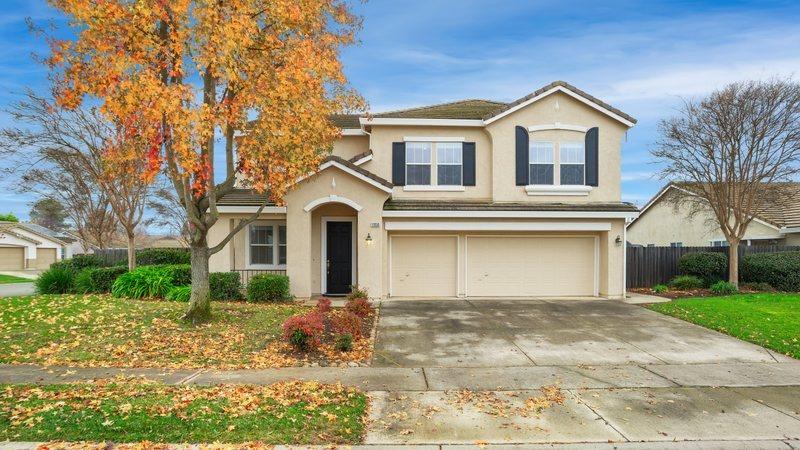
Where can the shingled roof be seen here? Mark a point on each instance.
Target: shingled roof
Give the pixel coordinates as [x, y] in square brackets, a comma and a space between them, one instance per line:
[346, 121]
[245, 197]
[461, 109]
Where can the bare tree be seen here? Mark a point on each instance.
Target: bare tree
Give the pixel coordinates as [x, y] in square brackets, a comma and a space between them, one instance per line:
[734, 147]
[169, 214]
[71, 146]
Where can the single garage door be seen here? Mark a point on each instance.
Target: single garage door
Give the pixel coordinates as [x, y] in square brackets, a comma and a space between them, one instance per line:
[424, 266]
[530, 266]
[12, 258]
[45, 257]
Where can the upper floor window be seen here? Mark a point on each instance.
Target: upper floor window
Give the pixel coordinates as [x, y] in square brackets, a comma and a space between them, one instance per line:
[572, 162]
[445, 159]
[266, 244]
[418, 163]
[449, 164]
[676, 244]
[541, 162]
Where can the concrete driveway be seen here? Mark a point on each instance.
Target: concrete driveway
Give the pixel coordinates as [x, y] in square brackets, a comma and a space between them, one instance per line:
[496, 333]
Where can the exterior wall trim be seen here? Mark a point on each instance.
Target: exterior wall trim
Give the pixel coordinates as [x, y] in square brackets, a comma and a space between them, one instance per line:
[515, 214]
[558, 126]
[352, 172]
[323, 275]
[558, 189]
[234, 209]
[434, 188]
[433, 139]
[353, 132]
[333, 198]
[423, 122]
[495, 226]
[361, 161]
[788, 230]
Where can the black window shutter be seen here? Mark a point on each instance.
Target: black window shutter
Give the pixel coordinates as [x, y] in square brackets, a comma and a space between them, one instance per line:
[522, 156]
[399, 163]
[592, 157]
[468, 159]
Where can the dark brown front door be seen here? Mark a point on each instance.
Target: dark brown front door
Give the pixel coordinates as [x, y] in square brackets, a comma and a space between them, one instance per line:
[340, 257]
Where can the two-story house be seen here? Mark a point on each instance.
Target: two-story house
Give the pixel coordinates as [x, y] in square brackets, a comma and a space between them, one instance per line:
[473, 198]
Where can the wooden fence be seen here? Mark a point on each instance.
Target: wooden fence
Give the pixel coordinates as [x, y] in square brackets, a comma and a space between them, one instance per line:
[648, 266]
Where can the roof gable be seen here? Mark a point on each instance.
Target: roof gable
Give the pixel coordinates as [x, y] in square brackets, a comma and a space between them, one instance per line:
[474, 109]
[566, 88]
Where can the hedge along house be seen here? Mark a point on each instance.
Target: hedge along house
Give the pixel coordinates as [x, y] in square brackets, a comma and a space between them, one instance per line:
[473, 198]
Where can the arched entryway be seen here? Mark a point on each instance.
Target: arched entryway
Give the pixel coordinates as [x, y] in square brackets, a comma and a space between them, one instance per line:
[334, 250]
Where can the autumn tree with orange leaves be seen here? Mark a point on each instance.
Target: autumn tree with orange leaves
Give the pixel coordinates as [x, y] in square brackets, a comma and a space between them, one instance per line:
[191, 76]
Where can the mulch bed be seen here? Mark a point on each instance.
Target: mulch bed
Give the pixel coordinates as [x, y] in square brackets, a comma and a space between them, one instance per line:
[674, 294]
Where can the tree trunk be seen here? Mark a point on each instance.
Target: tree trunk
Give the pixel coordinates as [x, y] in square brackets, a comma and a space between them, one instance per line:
[200, 301]
[131, 251]
[733, 263]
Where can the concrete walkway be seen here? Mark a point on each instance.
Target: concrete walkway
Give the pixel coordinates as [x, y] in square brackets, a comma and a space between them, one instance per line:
[17, 289]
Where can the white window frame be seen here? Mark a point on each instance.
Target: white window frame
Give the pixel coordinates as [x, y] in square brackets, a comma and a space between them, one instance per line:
[561, 163]
[676, 244]
[275, 245]
[434, 185]
[430, 164]
[552, 162]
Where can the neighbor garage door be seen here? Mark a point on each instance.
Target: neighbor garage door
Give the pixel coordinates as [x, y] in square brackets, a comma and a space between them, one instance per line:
[12, 258]
[424, 266]
[45, 257]
[530, 266]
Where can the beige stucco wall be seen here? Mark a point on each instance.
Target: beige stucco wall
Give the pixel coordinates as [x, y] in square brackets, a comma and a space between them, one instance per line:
[232, 256]
[665, 222]
[793, 239]
[302, 261]
[564, 109]
[349, 146]
[381, 164]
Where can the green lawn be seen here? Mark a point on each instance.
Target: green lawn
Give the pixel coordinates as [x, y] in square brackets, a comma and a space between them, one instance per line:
[5, 279]
[100, 330]
[127, 411]
[769, 320]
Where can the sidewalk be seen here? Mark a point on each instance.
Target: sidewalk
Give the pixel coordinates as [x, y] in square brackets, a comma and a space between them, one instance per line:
[736, 405]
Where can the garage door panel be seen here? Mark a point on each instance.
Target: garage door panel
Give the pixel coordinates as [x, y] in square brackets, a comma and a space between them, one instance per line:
[514, 266]
[424, 266]
[45, 257]
[12, 258]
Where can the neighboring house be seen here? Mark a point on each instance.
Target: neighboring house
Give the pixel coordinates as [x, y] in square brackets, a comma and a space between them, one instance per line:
[665, 222]
[473, 198]
[25, 246]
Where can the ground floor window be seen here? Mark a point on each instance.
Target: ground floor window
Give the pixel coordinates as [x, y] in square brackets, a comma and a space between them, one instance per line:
[266, 245]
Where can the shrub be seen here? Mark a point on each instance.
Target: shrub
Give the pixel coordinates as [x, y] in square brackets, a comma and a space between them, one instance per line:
[660, 288]
[708, 266]
[723, 288]
[780, 270]
[268, 288]
[225, 286]
[346, 322]
[760, 287]
[179, 294]
[181, 273]
[82, 283]
[324, 305]
[160, 256]
[55, 280]
[686, 282]
[357, 292]
[103, 278]
[145, 281]
[359, 306]
[344, 342]
[304, 331]
[80, 262]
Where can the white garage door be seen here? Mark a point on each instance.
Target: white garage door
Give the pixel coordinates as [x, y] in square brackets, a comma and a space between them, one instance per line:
[530, 266]
[12, 258]
[424, 266]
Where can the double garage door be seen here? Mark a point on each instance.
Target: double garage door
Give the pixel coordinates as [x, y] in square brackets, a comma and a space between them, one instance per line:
[493, 266]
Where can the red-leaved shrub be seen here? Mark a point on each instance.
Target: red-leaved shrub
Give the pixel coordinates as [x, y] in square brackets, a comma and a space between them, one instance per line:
[304, 331]
[324, 305]
[359, 306]
[346, 322]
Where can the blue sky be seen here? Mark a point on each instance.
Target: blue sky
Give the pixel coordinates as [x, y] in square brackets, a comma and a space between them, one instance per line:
[642, 57]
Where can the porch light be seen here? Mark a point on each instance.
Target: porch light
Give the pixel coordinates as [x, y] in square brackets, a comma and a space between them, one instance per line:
[368, 239]
[618, 240]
